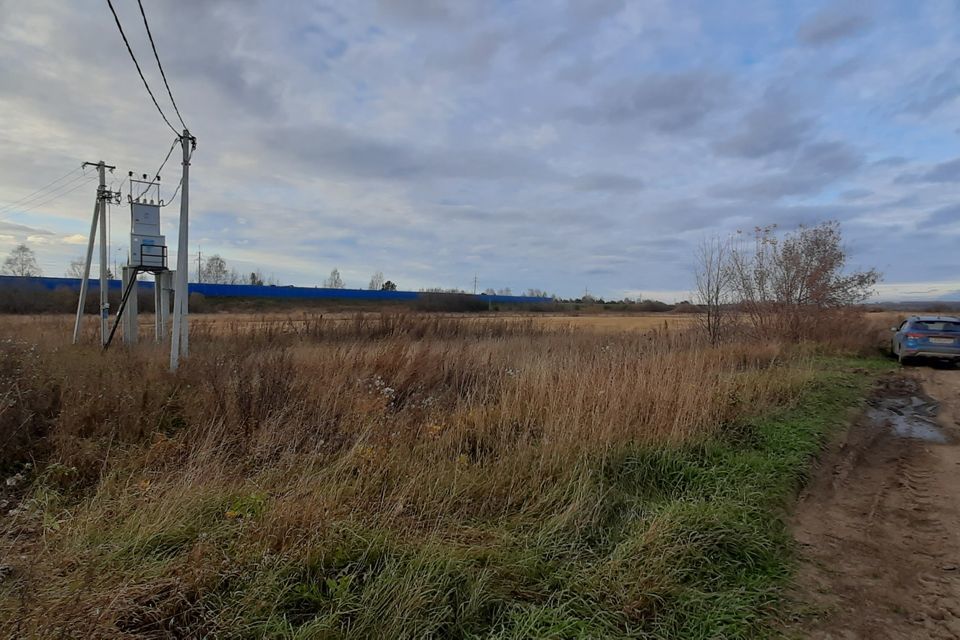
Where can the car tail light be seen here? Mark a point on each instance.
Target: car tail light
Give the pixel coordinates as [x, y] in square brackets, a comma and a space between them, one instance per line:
[914, 336]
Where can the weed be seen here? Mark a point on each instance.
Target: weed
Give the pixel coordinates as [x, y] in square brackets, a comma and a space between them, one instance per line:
[517, 480]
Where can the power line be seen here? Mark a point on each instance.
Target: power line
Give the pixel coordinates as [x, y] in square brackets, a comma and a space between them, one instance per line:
[59, 195]
[179, 184]
[162, 165]
[26, 203]
[162, 74]
[38, 192]
[137, 64]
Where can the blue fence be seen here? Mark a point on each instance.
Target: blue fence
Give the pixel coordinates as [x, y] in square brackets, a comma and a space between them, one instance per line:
[253, 291]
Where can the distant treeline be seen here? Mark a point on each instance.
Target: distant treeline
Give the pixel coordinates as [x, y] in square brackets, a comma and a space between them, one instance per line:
[25, 297]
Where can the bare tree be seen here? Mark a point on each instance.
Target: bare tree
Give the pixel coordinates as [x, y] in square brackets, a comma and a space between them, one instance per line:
[784, 286]
[714, 279]
[334, 281]
[214, 270]
[256, 278]
[75, 268]
[22, 262]
[376, 281]
[389, 285]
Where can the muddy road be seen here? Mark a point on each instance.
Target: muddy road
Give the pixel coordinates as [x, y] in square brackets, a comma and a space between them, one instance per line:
[879, 524]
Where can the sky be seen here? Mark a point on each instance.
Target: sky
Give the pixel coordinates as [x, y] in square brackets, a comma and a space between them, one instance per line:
[564, 145]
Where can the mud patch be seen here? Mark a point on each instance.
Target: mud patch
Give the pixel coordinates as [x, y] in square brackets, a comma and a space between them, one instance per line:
[879, 525]
[907, 415]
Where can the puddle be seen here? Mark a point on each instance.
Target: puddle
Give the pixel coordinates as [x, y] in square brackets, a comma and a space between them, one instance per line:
[917, 428]
[910, 417]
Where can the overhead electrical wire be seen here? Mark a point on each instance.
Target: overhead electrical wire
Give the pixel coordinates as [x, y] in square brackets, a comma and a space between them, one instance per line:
[160, 66]
[42, 190]
[59, 195]
[28, 203]
[137, 64]
[162, 165]
[179, 184]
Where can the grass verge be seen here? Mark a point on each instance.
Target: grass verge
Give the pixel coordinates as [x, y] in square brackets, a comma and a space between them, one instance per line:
[685, 542]
[684, 538]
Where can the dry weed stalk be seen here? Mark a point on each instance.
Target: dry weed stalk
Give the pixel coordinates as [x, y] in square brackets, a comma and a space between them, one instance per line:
[274, 434]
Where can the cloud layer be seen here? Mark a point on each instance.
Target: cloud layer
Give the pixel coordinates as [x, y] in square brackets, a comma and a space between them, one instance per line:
[557, 145]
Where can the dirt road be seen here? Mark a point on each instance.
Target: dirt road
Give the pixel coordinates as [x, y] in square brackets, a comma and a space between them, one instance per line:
[879, 525]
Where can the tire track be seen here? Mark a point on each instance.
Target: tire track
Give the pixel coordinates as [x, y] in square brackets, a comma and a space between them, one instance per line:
[879, 526]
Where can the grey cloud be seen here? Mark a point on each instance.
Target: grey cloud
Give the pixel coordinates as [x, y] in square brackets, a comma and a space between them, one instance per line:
[943, 216]
[581, 16]
[474, 53]
[855, 194]
[891, 161]
[425, 12]
[559, 219]
[341, 152]
[13, 228]
[830, 159]
[601, 271]
[817, 166]
[936, 91]
[831, 26]
[580, 11]
[670, 102]
[944, 172]
[846, 68]
[246, 88]
[607, 182]
[338, 151]
[772, 127]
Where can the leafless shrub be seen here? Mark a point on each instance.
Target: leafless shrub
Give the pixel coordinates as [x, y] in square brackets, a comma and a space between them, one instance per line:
[714, 280]
[794, 286]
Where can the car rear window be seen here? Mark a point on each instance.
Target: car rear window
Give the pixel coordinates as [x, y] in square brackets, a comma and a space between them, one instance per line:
[936, 325]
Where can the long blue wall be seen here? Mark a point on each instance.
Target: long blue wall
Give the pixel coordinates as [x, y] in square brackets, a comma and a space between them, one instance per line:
[253, 291]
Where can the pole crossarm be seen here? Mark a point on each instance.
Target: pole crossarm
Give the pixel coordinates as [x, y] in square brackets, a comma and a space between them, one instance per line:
[97, 164]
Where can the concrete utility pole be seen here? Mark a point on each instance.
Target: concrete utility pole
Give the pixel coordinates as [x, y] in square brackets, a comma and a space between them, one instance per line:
[86, 270]
[179, 340]
[99, 216]
[104, 298]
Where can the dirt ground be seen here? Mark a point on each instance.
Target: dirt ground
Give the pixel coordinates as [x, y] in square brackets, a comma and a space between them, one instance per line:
[879, 524]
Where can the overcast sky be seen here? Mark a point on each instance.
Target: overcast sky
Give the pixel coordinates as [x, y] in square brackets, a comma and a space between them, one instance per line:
[549, 144]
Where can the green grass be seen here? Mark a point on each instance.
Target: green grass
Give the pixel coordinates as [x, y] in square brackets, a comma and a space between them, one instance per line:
[675, 543]
[668, 542]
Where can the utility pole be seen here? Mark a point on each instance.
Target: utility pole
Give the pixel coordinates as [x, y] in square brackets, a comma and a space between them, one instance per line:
[474, 284]
[104, 298]
[199, 265]
[99, 217]
[179, 340]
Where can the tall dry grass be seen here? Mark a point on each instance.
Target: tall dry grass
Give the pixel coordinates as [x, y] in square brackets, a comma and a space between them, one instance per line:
[143, 492]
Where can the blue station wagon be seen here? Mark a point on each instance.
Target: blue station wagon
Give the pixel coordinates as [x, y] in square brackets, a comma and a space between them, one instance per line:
[927, 337]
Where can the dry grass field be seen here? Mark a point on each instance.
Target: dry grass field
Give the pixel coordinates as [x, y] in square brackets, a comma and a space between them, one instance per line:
[404, 475]
[599, 322]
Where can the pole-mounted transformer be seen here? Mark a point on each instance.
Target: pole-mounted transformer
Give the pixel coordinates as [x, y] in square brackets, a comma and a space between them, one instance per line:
[148, 254]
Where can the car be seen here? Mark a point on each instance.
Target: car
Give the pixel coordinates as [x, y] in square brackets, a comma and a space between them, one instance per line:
[927, 337]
